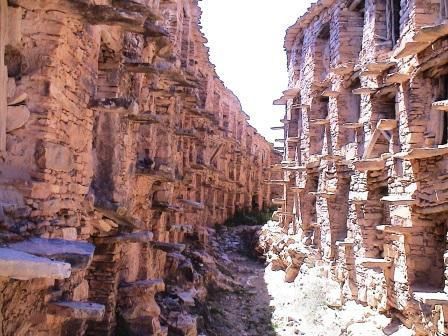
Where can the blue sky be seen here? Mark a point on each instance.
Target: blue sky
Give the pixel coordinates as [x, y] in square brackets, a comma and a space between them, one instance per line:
[246, 45]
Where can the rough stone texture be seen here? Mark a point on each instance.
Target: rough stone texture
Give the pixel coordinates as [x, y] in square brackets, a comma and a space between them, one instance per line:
[365, 160]
[115, 131]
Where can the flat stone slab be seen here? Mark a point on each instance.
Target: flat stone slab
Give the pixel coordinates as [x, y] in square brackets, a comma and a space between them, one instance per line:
[395, 229]
[24, 266]
[399, 199]
[193, 204]
[422, 153]
[143, 286]
[374, 263]
[135, 237]
[370, 165]
[77, 253]
[77, 310]
[435, 298]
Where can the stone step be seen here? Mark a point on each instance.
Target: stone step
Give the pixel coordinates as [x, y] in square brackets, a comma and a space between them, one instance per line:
[78, 254]
[193, 204]
[387, 124]
[351, 125]
[370, 164]
[278, 201]
[397, 78]
[422, 153]
[143, 286]
[364, 91]
[330, 93]
[431, 298]
[77, 310]
[374, 262]
[168, 247]
[135, 237]
[145, 118]
[399, 199]
[24, 266]
[394, 229]
[319, 122]
[322, 194]
[379, 67]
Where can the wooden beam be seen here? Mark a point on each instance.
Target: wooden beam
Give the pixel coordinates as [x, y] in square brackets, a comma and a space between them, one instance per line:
[372, 142]
[215, 154]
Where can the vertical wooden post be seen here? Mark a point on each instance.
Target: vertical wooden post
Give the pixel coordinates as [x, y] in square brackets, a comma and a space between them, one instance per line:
[3, 74]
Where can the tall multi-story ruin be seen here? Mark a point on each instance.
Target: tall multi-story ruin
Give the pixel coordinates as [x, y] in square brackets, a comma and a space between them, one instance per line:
[118, 141]
[365, 170]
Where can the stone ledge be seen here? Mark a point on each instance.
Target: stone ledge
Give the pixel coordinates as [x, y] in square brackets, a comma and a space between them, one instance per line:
[135, 237]
[399, 199]
[374, 263]
[168, 247]
[393, 229]
[146, 286]
[432, 299]
[77, 253]
[24, 266]
[422, 153]
[370, 165]
[77, 310]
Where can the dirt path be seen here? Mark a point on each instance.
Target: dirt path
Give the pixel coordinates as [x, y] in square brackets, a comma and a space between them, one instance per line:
[245, 311]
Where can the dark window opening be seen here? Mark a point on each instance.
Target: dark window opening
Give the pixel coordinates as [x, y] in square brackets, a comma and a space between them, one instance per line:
[354, 104]
[358, 6]
[441, 93]
[322, 53]
[388, 107]
[443, 9]
[393, 8]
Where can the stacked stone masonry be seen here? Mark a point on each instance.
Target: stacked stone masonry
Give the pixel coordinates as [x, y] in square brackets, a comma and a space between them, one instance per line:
[365, 156]
[118, 143]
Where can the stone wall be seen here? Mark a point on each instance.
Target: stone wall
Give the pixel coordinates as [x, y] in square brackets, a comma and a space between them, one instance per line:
[365, 156]
[118, 143]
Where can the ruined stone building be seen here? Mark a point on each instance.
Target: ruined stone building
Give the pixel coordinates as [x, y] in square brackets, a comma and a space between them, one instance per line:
[118, 143]
[365, 166]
